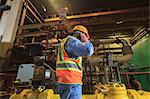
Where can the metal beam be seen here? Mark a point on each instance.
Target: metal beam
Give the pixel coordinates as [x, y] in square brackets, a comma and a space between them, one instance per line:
[136, 16]
[12, 21]
[21, 24]
[35, 10]
[34, 26]
[34, 14]
[4, 19]
[97, 14]
[138, 35]
[11, 27]
[33, 34]
[30, 19]
[114, 26]
[115, 20]
[96, 22]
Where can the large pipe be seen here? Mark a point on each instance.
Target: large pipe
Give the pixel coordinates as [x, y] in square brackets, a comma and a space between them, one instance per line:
[102, 41]
[127, 51]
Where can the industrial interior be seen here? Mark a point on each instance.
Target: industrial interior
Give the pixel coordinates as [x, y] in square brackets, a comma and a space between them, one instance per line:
[119, 31]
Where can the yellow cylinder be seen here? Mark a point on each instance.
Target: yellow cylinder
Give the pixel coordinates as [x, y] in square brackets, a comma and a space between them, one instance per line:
[133, 94]
[48, 94]
[14, 96]
[144, 94]
[117, 91]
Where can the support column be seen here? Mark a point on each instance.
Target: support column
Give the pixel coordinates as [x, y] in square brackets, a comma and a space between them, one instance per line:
[4, 19]
[21, 24]
[11, 27]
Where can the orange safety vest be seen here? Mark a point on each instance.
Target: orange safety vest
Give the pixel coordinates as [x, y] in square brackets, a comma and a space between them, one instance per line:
[68, 70]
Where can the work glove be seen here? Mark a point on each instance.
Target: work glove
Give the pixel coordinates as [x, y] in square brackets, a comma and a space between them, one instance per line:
[126, 48]
[122, 41]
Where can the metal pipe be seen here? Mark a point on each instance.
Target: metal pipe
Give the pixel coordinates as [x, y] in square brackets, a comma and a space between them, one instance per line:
[38, 25]
[100, 41]
[123, 58]
[29, 18]
[21, 24]
[134, 73]
[124, 73]
[34, 14]
[33, 34]
[35, 9]
[6, 74]
[96, 14]
[139, 35]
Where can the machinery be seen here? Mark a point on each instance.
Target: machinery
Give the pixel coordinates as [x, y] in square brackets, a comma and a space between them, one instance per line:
[31, 74]
[33, 77]
[36, 79]
[31, 84]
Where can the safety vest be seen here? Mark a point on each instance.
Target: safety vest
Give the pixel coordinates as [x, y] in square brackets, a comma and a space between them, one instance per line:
[68, 70]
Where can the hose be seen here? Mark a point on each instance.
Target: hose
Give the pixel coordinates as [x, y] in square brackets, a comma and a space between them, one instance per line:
[49, 67]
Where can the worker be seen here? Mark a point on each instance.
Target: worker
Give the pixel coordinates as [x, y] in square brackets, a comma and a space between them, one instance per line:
[135, 83]
[69, 62]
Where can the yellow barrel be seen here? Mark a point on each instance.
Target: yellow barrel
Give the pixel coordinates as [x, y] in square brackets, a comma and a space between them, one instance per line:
[117, 91]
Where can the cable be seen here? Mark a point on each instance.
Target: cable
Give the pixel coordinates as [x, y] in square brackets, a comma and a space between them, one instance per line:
[49, 67]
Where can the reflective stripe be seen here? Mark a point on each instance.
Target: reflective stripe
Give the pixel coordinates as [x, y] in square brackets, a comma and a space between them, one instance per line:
[63, 48]
[60, 53]
[72, 69]
[68, 65]
[68, 61]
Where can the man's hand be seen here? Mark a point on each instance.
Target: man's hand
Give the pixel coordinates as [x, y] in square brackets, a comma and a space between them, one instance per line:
[84, 38]
[63, 13]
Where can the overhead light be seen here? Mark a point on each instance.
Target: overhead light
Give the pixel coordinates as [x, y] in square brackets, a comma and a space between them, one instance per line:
[44, 9]
[119, 22]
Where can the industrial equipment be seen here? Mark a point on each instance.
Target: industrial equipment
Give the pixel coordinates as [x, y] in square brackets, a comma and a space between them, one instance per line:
[110, 88]
[31, 74]
[35, 62]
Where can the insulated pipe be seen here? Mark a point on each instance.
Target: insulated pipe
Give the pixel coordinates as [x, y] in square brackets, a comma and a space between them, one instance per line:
[127, 51]
[124, 58]
[100, 41]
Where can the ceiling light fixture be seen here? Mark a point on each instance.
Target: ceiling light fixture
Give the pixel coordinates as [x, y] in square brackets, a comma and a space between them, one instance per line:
[119, 22]
[44, 9]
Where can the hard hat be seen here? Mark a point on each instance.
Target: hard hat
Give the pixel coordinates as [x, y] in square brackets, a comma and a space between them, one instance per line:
[82, 29]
